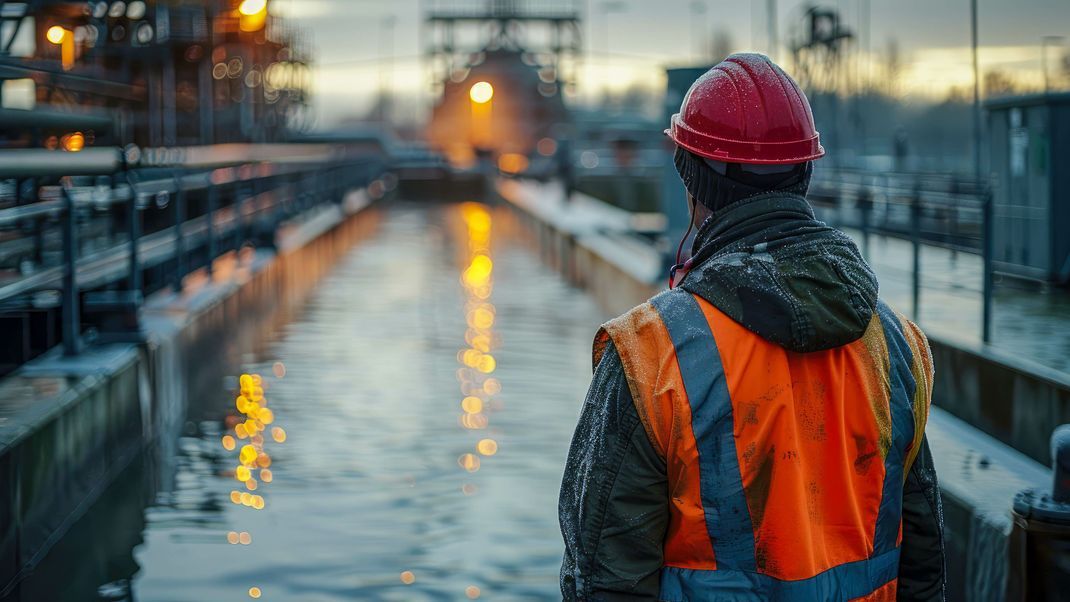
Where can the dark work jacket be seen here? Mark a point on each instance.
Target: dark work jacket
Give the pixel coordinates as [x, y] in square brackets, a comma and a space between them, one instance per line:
[614, 504]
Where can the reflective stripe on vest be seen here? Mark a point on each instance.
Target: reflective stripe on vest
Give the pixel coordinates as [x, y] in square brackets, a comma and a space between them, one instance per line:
[728, 519]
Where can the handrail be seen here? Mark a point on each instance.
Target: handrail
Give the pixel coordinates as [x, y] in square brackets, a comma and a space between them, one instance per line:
[69, 184]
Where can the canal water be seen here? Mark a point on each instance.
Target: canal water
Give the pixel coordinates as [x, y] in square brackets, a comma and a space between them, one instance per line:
[427, 393]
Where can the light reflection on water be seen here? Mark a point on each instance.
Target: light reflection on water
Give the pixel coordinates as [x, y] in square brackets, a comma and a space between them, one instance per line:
[428, 393]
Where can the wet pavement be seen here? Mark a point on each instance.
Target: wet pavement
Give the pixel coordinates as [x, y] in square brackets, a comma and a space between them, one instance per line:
[427, 394]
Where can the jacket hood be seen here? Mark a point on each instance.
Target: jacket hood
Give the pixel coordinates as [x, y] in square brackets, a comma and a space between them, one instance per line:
[772, 267]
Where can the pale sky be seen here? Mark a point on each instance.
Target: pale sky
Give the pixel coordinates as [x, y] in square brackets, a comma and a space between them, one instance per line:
[933, 36]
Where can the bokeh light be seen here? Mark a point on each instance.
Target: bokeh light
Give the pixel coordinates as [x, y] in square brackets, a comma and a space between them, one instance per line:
[481, 92]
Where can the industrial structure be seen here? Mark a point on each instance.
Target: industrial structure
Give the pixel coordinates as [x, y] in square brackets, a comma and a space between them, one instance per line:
[526, 50]
[151, 74]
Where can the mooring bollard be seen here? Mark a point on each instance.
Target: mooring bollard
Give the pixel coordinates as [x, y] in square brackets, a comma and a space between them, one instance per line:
[1039, 549]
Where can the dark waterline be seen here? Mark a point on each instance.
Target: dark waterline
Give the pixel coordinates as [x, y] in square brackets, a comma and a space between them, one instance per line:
[371, 481]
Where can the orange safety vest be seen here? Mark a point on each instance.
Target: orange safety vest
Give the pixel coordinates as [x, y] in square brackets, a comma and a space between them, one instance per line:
[785, 469]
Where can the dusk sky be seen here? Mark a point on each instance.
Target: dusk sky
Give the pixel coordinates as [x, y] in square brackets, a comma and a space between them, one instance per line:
[645, 36]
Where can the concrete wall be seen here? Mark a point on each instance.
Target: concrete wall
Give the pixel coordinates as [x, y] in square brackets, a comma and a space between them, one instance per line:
[68, 426]
[1014, 400]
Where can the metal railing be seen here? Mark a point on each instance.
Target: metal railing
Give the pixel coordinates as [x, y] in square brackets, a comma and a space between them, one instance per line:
[937, 209]
[144, 219]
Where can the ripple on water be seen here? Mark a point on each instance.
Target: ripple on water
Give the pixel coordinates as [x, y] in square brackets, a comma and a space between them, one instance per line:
[368, 484]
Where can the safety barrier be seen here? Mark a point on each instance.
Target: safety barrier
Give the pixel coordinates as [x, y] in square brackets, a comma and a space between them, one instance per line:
[153, 214]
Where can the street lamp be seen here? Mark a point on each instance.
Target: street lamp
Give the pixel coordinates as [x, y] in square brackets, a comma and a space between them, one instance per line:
[252, 15]
[1044, 42]
[481, 92]
[64, 38]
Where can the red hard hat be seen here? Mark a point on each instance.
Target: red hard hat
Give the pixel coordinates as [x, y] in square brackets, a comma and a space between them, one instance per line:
[747, 110]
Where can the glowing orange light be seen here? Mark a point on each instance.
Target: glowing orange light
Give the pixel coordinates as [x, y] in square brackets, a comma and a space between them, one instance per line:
[56, 34]
[235, 496]
[254, 592]
[232, 537]
[278, 369]
[246, 498]
[263, 460]
[251, 7]
[481, 92]
[407, 577]
[472, 592]
[265, 475]
[251, 484]
[228, 443]
[512, 163]
[258, 502]
[244, 538]
[73, 143]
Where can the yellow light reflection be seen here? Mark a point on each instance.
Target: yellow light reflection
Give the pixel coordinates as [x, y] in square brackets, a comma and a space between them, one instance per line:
[248, 455]
[487, 447]
[242, 473]
[254, 592]
[228, 443]
[486, 364]
[474, 421]
[235, 496]
[278, 434]
[469, 462]
[472, 405]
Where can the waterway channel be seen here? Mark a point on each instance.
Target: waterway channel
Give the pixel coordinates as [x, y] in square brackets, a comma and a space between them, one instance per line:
[426, 394]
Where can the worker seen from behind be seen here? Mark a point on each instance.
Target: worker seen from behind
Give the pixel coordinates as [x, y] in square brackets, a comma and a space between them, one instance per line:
[757, 431]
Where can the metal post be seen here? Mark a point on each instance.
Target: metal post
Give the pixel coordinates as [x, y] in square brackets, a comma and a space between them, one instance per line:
[71, 326]
[915, 235]
[976, 94]
[133, 214]
[179, 213]
[209, 226]
[988, 290]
